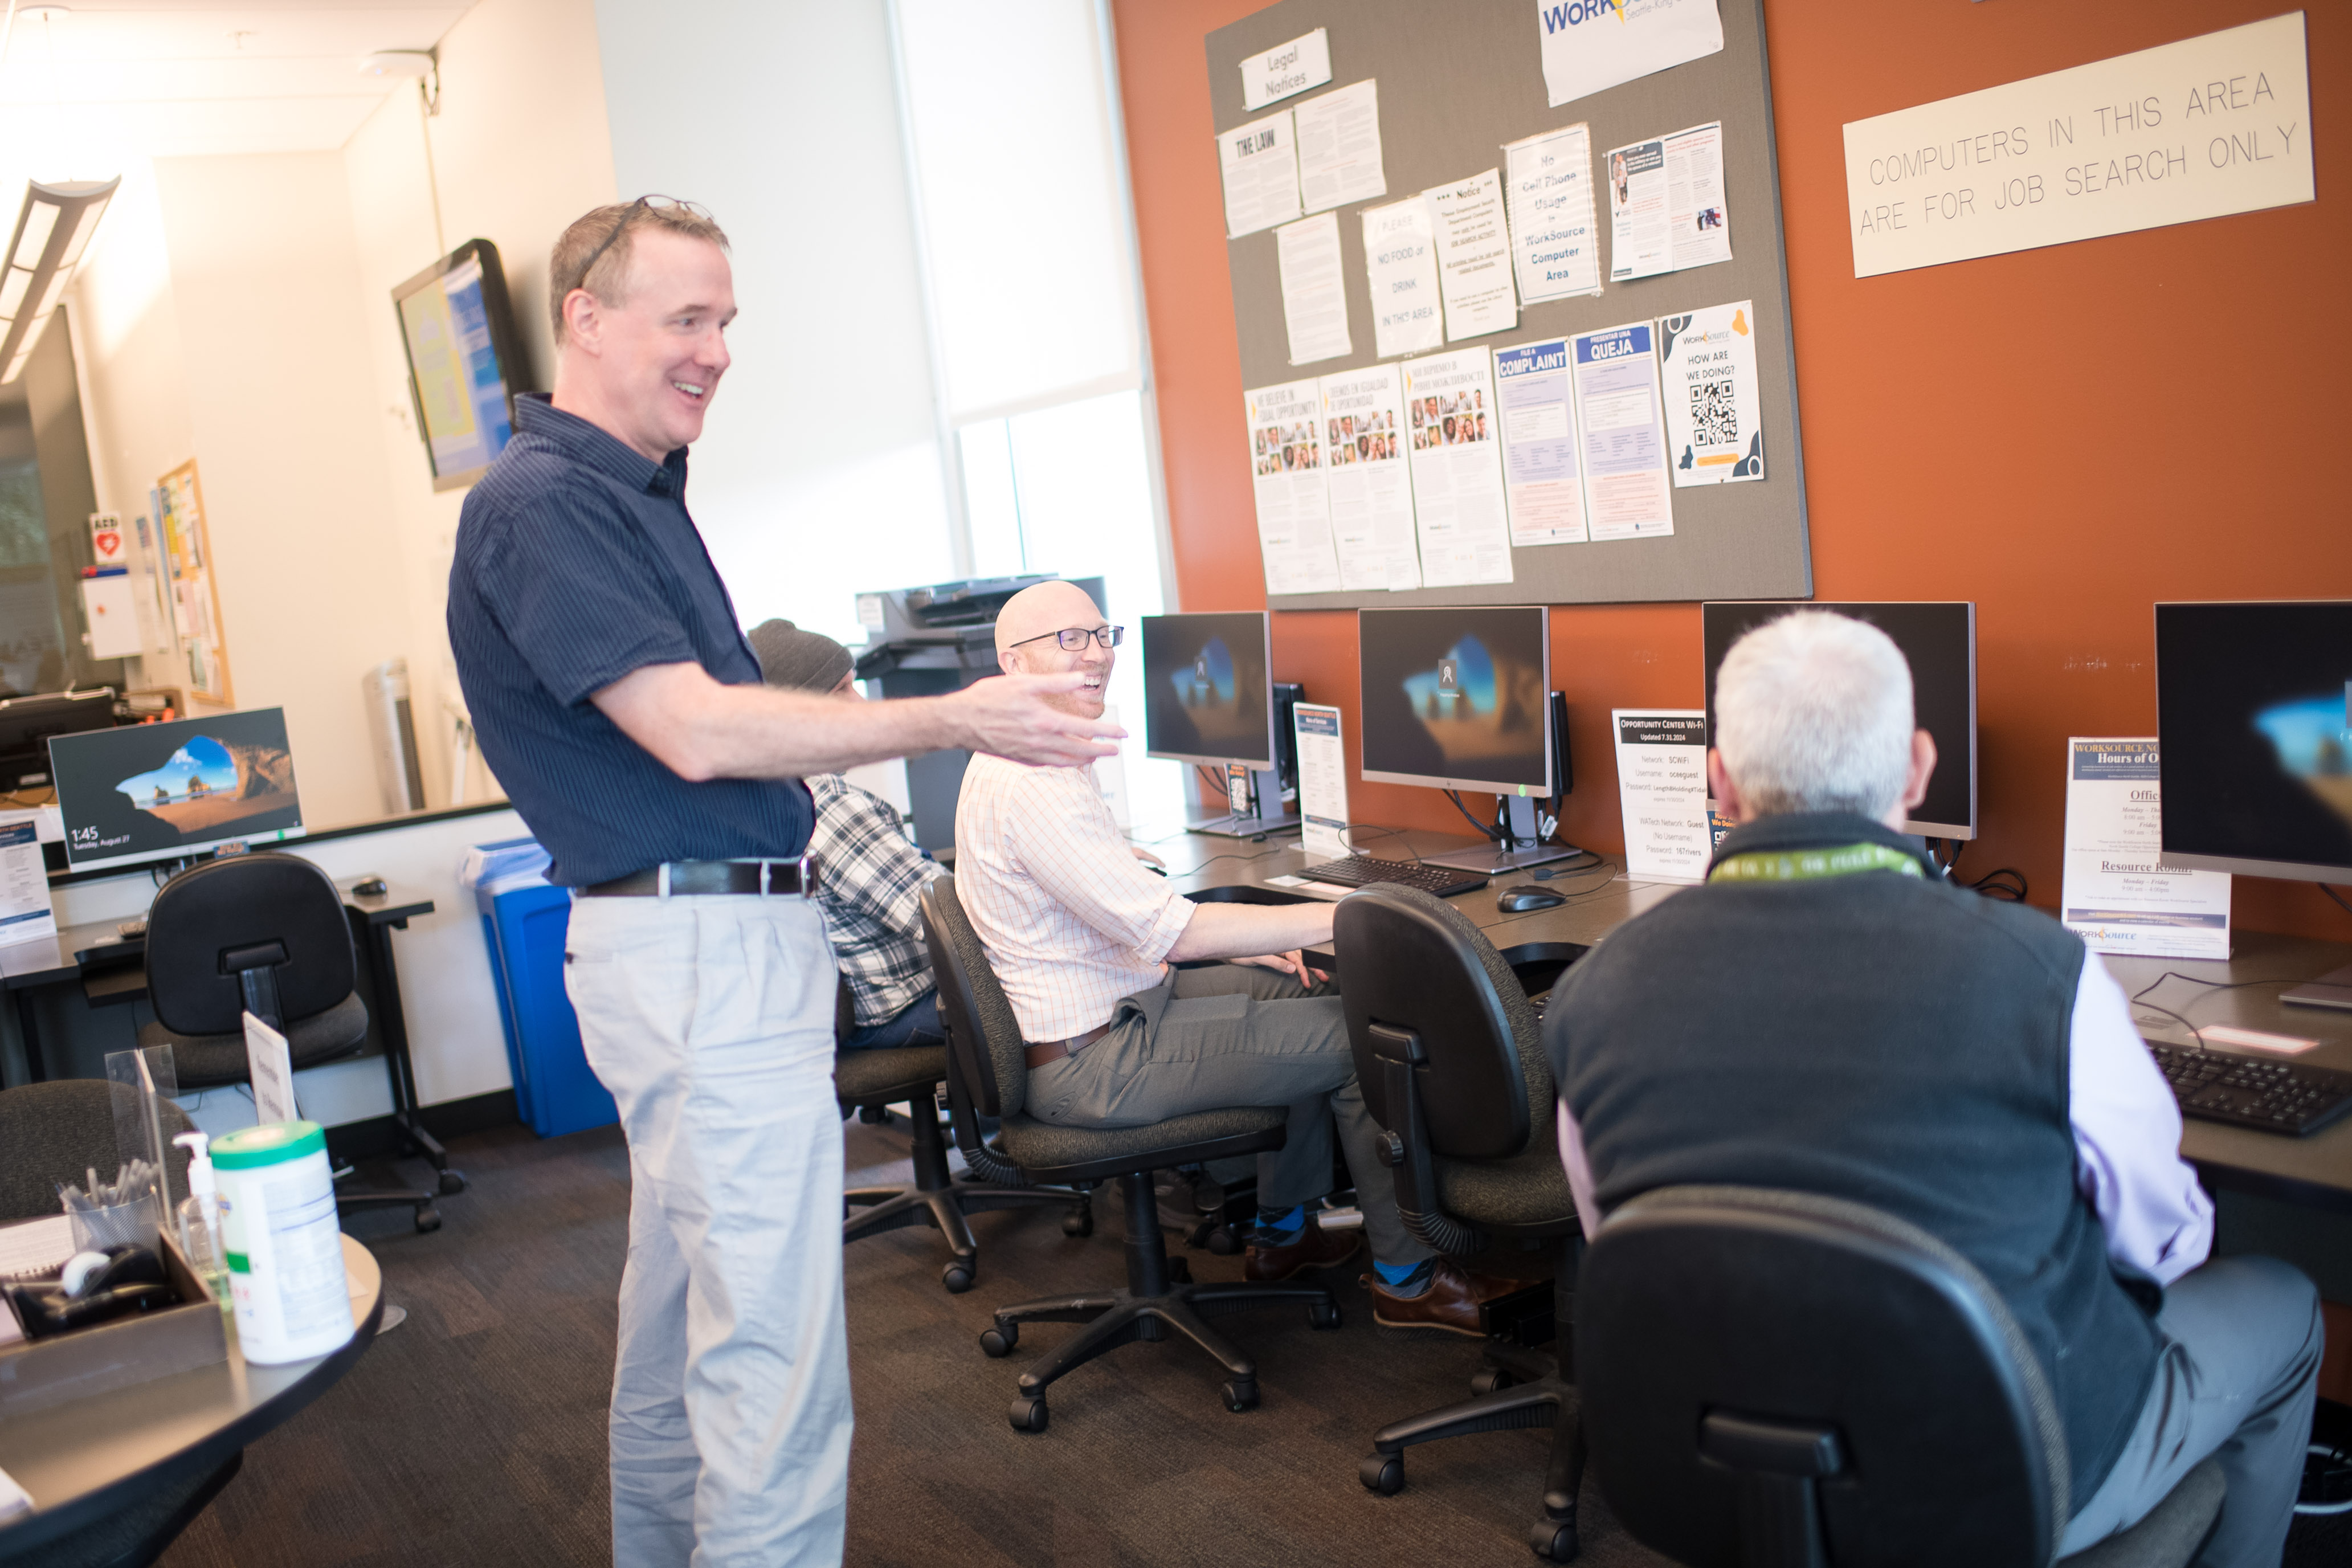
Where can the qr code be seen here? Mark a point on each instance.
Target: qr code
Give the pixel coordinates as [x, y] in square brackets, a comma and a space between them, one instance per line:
[1714, 417]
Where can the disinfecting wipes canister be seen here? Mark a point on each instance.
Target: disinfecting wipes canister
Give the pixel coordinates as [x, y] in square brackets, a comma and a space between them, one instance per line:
[285, 1255]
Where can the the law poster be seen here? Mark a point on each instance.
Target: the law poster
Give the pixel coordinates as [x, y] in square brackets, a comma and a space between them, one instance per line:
[1371, 480]
[1340, 148]
[1707, 362]
[1314, 291]
[1401, 258]
[1542, 475]
[1474, 257]
[1294, 515]
[1627, 495]
[1460, 514]
[1667, 207]
[1590, 45]
[2120, 896]
[1260, 164]
[1661, 788]
[1322, 780]
[1555, 239]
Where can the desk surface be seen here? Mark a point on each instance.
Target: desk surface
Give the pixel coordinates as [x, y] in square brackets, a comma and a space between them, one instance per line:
[50, 959]
[82, 1460]
[2316, 1171]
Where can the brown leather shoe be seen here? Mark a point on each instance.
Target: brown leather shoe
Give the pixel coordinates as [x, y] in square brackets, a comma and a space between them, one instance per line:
[1451, 1303]
[1315, 1248]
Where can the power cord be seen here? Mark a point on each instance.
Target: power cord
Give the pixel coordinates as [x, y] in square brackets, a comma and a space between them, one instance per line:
[2194, 1032]
[2008, 883]
[1485, 831]
[2337, 897]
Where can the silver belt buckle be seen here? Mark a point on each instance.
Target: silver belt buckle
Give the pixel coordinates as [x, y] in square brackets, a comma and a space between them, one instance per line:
[806, 867]
[661, 882]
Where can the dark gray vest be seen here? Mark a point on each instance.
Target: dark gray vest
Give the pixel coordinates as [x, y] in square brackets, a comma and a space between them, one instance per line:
[1870, 1037]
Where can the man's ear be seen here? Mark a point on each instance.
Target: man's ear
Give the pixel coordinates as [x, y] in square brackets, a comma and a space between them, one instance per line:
[1009, 661]
[583, 322]
[1723, 788]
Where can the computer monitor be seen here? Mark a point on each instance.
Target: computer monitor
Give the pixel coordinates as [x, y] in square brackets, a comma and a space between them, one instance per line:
[1939, 641]
[27, 724]
[2255, 738]
[1459, 697]
[169, 792]
[465, 361]
[1209, 698]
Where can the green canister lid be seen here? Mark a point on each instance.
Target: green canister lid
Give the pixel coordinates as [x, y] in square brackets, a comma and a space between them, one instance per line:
[270, 1143]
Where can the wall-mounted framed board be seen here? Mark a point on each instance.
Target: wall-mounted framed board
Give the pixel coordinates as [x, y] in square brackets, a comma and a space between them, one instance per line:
[179, 500]
[1457, 85]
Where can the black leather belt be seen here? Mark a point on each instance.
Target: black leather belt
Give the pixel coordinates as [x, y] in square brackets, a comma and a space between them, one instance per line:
[1054, 1050]
[702, 878]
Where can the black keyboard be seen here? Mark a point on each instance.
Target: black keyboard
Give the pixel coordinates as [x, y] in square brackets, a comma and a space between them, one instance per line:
[1361, 870]
[2246, 1091]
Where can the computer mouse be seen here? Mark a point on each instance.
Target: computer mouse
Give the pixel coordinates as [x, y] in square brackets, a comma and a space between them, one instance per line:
[368, 887]
[1521, 896]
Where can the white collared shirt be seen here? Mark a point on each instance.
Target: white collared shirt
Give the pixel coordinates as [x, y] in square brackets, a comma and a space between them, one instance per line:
[1072, 920]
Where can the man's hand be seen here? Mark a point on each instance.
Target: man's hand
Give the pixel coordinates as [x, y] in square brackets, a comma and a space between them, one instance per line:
[1007, 716]
[1146, 856]
[1293, 964]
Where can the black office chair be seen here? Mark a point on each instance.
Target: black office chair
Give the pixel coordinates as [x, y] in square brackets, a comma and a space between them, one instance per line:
[1774, 1377]
[1447, 1054]
[53, 1133]
[870, 1079]
[988, 1074]
[265, 934]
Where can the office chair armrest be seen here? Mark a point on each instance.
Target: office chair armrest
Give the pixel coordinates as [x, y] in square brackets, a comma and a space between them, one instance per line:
[989, 1165]
[1406, 1149]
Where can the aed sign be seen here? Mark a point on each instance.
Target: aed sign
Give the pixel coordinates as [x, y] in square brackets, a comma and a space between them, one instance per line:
[106, 538]
[2198, 128]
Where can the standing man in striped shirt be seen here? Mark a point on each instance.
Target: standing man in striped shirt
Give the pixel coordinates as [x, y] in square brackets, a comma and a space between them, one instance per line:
[1081, 936]
[618, 705]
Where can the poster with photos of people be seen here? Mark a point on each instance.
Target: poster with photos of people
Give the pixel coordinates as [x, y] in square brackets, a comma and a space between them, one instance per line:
[1294, 510]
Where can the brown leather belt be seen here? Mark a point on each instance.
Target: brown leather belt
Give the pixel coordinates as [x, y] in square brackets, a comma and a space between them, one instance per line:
[1054, 1050]
[702, 878]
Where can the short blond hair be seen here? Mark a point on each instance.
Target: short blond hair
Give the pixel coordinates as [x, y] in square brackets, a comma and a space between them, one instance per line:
[594, 252]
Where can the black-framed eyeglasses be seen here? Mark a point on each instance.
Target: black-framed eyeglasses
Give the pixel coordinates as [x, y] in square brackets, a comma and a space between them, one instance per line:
[1074, 640]
[621, 225]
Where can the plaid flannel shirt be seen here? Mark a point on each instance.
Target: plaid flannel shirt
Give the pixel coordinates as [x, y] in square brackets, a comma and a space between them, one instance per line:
[869, 886]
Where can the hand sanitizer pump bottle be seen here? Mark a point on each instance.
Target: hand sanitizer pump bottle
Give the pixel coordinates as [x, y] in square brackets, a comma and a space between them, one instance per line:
[199, 1219]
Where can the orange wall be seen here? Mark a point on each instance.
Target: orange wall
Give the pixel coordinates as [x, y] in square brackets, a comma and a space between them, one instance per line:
[2103, 425]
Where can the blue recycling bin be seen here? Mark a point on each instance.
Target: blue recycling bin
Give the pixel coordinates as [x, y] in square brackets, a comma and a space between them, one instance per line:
[524, 920]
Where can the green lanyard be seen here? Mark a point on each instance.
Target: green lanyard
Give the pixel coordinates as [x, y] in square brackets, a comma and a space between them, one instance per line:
[1805, 864]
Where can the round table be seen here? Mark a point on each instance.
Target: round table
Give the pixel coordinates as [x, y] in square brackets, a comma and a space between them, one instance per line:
[82, 1460]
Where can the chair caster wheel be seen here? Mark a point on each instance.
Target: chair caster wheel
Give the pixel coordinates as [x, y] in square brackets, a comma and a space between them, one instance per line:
[998, 1342]
[874, 1115]
[452, 1182]
[1224, 1242]
[428, 1219]
[1490, 1380]
[1554, 1540]
[1381, 1473]
[1027, 1413]
[1323, 1315]
[1079, 1221]
[1240, 1394]
[957, 1276]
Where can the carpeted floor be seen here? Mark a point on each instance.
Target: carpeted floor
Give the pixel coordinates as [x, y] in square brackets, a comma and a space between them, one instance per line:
[474, 1433]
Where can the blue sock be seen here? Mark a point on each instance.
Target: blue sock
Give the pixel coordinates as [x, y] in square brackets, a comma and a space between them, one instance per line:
[1405, 1278]
[1287, 1222]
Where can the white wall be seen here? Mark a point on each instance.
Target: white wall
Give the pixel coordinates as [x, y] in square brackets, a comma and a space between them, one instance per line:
[818, 473]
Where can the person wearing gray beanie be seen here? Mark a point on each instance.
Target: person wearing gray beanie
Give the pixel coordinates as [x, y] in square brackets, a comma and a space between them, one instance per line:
[874, 875]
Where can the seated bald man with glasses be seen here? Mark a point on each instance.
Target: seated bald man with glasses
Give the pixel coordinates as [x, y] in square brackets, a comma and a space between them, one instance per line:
[1082, 936]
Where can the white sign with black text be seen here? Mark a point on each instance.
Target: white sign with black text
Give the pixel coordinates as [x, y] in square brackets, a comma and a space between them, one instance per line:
[1661, 787]
[2120, 896]
[1286, 69]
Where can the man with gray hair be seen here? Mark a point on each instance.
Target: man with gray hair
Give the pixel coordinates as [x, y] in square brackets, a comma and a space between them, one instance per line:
[1848, 1022]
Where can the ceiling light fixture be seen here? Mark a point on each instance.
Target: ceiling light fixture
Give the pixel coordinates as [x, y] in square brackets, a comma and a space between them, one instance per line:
[421, 65]
[52, 236]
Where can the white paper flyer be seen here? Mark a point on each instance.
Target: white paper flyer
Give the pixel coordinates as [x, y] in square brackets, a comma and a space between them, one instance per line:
[1715, 426]
[1661, 788]
[1541, 475]
[1590, 45]
[1313, 293]
[1666, 210]
[1260, 164]
[1474, 257]
[1322, 781]
[2120, 896]
[1286, 69]
[1625, 488]
[1294, 515]
[1555, 239]
[1401, 260]
[26, 912]
[1457, 469]
[1371, 479]
[1339, 147]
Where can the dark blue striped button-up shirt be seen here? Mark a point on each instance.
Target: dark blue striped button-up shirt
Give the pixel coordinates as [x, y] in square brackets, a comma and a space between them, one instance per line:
[577, 564]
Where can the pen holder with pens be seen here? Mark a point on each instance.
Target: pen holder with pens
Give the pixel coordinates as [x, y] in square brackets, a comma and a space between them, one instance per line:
[128, 1211]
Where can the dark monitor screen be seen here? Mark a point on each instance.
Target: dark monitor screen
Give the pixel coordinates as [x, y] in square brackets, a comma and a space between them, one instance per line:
[1939, 640]
[2255, 738]
[160, 792]
[28, 723]
[1205, 689]
[465, 361]
[1456, 699]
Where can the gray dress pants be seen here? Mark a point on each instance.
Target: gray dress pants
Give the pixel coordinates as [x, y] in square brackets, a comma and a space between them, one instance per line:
[1229, 1035]
[2237, 1370]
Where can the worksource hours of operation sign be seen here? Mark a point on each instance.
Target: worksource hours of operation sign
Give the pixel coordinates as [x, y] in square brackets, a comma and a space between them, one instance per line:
[2198, 128]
